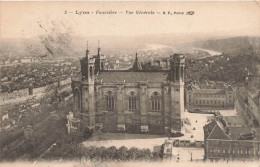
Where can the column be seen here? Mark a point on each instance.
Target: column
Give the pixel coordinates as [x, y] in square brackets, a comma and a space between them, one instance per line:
[143, 107]
[120, 108]
[90, 103]
[175, 107]
[84, 99]
[167, 107]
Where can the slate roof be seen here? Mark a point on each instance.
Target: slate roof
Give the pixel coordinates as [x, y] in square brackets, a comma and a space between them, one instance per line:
[130, 77]
[209, 127]
[218, 133]
[77, 74]
[235, 132]
[210, 91]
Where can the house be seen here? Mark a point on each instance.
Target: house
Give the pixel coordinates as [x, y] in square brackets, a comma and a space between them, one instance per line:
[209, 97]
[230, 143]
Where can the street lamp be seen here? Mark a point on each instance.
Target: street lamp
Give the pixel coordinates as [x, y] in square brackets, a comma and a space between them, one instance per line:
[190, 156]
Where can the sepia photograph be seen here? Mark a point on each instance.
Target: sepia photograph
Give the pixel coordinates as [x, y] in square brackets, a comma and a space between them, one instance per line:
[127, 83]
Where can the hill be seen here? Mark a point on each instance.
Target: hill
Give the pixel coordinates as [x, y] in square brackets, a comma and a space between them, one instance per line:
[236, 46]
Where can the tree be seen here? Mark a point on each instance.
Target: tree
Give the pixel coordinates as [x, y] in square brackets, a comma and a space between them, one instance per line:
[122, 153]
[111, 153]
[132, 154]
[145, 154]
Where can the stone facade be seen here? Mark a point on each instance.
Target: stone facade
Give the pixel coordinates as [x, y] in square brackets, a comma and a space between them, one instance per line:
[232, 143]
[232, 150]
[131, 100]
[203, 98]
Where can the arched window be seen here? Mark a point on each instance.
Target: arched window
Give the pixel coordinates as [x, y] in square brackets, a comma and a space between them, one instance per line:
[110, 101]
[156, 101]
[132, 101]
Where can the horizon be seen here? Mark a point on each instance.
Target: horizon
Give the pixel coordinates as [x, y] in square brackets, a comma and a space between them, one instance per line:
[32, 19]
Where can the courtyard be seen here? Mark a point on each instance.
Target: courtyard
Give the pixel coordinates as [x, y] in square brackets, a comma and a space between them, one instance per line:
[192, 130]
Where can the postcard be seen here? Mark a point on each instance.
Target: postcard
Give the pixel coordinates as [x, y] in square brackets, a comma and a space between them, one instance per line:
[127, 83]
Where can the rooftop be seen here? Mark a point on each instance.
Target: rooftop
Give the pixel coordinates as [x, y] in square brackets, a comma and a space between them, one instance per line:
[236, 132]
[128, 76]
[218, 131]
[210, 91]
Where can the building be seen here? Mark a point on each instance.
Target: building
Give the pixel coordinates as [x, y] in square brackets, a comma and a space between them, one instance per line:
[208, 97]
[253, 106]
[72, 123]
[129, 100]
[167, 149]
[230, 143]
[253, 98]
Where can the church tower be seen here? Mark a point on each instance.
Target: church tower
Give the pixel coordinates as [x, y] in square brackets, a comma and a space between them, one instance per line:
[87, 112]
[98, 61]
[137, 65]
[176, 79]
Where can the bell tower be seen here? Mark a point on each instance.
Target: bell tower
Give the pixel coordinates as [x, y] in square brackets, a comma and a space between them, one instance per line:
[176, 81]
[87, 89]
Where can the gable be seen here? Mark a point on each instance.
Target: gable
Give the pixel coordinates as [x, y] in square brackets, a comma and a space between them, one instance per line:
[218, 133]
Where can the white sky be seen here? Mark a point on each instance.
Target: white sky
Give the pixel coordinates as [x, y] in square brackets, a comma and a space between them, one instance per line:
[19, 19]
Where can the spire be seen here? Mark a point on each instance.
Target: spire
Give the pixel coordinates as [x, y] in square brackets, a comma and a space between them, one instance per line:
[84, 65]
[87, 51]
[98, 48]
[97, 60]
[137, 65]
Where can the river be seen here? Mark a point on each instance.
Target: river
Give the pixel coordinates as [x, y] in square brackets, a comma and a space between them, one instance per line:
[153, 46]
[211, 52]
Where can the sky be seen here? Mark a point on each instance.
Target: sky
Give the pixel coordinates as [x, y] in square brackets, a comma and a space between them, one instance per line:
[28, 19]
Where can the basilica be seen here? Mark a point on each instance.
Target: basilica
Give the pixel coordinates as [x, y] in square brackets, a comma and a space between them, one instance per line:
[131, 101]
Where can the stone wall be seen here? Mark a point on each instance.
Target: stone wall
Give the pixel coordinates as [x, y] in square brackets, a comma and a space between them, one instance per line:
[142, 116]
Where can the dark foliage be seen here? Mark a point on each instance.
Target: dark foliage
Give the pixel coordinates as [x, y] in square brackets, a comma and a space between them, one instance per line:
[72, 150]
